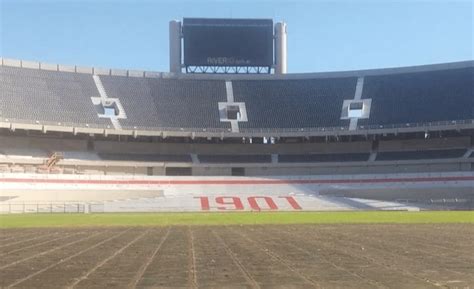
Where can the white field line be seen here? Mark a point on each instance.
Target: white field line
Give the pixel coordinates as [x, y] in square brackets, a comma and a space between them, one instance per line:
[276, 257]
[49, 251]
[24, 241]
[332, 264]
[39, 244]
[250, 280]
[65, 259]
[418, 248]
[145, 265]
[192, 261]
[100, 264]
[21, 236]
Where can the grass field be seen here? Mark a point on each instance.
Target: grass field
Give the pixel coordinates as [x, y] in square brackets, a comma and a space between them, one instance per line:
[164, 219]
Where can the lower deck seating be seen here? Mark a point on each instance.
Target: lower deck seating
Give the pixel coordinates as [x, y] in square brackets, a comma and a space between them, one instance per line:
[145, 157]
[313, 158]
[235, 158]
[421, 155]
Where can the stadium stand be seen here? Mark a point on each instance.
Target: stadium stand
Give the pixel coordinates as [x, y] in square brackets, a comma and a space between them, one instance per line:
[419, 155]
[307, 103]
[419, 119]
[302, 104]
[81, 155]
[48, 97]
[421, 97]
[310, 158]
[145, 157]
[234, 158]
[424, 144]
[168, 103]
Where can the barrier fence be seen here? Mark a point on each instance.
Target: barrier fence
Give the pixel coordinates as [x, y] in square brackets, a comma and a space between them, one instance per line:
[50, 207]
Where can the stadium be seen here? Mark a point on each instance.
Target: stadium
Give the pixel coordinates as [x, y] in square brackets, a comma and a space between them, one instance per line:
[110, 160]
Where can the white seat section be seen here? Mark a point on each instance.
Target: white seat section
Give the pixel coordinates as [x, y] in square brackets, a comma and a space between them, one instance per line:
[139, 194]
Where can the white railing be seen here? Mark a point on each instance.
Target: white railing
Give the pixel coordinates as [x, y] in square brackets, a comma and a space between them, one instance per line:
[50, 207]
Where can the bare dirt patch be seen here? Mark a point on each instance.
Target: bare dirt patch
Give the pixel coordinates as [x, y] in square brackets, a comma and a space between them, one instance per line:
[240, 257]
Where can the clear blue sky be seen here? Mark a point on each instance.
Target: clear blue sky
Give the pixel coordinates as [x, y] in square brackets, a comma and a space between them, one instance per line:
[322, 35]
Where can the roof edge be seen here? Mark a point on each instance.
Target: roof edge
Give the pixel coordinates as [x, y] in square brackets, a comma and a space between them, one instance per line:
[154, 74]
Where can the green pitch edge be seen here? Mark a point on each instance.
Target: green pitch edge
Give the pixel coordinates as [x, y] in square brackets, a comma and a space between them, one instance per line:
[245, 218]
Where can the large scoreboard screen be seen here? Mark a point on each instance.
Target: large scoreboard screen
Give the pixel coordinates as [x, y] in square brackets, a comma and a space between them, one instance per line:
[228, 42]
